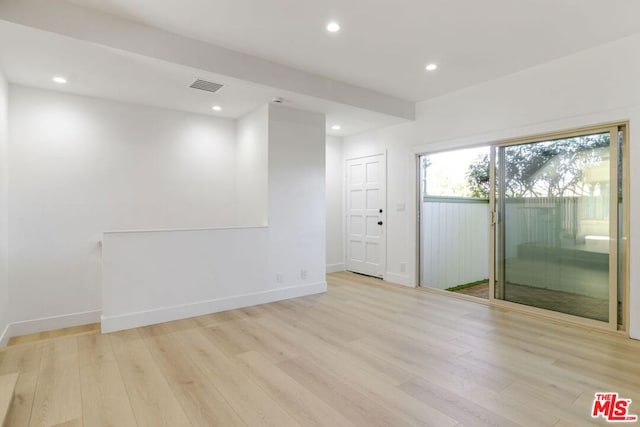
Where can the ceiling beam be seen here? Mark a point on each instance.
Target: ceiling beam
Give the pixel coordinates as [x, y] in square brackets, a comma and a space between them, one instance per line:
[125, 35]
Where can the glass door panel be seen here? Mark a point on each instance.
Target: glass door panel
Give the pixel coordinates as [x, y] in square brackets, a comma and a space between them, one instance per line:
[555, 224]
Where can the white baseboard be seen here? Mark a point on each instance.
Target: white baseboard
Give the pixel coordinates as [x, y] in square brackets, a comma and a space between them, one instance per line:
[4, 337]
[201, 308]
[334, 268]
[399, 279]
[33, 326]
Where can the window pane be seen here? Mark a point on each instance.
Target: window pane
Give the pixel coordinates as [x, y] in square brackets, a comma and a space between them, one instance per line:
[454, 221]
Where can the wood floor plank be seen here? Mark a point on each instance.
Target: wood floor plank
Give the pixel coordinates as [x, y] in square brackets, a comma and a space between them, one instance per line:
[520, 413]
[376, 387]
[95, 349]
[604, 354]
[169, 327]
[197, 394]
[454, 405]
[92, 328]
[523, 348]
[240, 336]
[344, 397]
[22, 359]
[622, 375]
[536, 377]
[302, 404]
[331, 334]
[569, 413]
[399, 322]
[249, 401]
[345, 354]
[7, 392]
[104, 397]
[151, 397]
[58, 396]
[71, 423]
[20, 413]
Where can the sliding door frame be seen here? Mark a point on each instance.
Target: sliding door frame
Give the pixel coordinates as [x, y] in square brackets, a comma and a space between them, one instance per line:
[612, 129]
[623, 233]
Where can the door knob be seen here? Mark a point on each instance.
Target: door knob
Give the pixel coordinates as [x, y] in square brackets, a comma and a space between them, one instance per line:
[379, 222]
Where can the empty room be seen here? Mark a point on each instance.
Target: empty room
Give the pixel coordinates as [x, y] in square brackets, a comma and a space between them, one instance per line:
[319, 213]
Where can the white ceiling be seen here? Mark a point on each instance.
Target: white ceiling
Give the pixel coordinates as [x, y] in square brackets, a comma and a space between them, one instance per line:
[385, 44]
[32, 57]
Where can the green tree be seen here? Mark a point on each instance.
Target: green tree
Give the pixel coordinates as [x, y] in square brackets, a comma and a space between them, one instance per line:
[546, 169]
[478, 177]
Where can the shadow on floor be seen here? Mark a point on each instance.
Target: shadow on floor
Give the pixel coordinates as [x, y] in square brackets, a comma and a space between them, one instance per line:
[563, 302]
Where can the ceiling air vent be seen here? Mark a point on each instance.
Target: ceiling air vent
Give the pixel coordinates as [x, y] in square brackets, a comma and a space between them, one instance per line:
[205, 85]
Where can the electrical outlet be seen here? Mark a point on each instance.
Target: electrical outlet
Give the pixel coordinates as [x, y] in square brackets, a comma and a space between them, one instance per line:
[303, 274]
[278, 278]
[403, 267]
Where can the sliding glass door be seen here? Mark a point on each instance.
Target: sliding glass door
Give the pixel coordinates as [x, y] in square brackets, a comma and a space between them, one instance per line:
[541, 222]
[557, 207]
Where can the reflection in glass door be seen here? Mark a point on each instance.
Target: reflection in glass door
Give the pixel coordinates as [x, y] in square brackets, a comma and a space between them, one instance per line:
[557, 206]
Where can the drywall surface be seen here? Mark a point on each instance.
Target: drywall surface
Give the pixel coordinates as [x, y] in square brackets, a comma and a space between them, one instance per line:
[335, 211]
[81, 166]
[584, 89]
[297, 217]
[252, 173]
[4, 209]
[151, 277]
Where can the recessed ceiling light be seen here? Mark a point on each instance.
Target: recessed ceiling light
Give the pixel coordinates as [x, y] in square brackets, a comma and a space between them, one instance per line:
[333, 27]
[336, 127]
[431, 67]
[60, 80]
[217, 108]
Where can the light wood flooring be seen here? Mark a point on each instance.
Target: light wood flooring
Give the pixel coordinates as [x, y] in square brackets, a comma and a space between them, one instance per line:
[363, 354]
[549, 299]
[56, 333]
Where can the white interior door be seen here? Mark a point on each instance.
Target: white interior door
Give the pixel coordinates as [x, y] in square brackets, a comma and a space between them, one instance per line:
[366, 213]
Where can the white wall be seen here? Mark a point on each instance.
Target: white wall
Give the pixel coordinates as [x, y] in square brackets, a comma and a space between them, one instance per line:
[594, 86]
[80, 166]
[334, 208]
[297, 217]
[152, 277]
[4, 210]
[252, 173]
